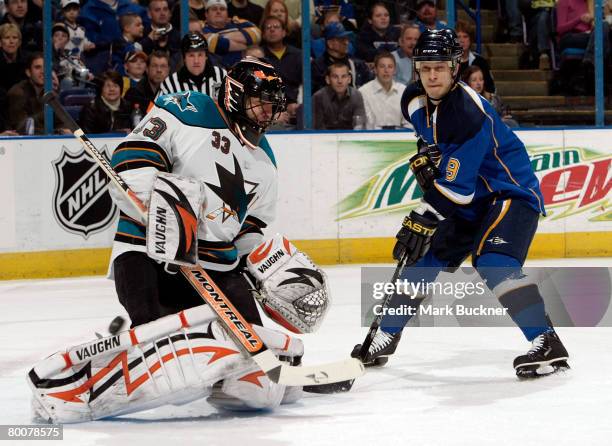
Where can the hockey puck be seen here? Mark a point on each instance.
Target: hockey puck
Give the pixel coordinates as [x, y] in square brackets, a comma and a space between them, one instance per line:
[116, 325]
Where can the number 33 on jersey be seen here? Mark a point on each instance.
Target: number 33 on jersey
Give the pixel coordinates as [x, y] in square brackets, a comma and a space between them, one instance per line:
[240, 182]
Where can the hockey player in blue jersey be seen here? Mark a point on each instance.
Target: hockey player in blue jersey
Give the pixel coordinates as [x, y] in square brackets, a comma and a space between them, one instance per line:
[481, 197]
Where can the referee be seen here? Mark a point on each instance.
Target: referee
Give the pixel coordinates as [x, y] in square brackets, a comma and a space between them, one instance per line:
[197, 73]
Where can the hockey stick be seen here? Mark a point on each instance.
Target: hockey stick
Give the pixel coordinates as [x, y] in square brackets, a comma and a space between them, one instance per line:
[237, 326]
[345, 386]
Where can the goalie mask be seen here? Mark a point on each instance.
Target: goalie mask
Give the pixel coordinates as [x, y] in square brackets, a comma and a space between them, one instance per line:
[293, 291]
[252, 95]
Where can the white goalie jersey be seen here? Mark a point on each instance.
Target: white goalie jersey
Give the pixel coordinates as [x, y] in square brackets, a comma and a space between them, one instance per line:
[186, 134]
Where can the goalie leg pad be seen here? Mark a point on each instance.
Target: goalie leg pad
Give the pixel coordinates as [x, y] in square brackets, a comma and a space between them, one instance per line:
[174, 369]
[293, 291]
[251, 389]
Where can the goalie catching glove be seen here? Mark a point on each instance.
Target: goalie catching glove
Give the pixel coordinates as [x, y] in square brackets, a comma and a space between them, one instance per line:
[292, 290]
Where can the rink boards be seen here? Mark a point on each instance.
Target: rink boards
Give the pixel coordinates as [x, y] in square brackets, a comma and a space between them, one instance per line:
[341, 198]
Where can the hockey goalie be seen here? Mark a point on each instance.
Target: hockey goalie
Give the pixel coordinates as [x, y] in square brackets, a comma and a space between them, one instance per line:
[187, 356]
[208, 177]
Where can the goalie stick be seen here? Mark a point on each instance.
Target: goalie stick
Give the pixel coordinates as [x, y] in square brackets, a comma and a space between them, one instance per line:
[345, 386]
[237, 326]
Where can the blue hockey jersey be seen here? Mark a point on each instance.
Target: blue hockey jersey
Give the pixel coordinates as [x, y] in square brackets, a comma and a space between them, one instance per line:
[482, 159]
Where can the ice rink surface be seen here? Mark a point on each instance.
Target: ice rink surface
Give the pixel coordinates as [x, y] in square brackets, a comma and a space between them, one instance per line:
[444, 386]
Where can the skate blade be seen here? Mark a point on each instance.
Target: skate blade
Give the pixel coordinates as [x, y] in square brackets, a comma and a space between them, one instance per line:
[339, 387]
[380, 361]
[541, 370]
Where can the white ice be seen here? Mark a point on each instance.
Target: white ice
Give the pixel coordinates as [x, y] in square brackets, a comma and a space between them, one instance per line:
[444, 386]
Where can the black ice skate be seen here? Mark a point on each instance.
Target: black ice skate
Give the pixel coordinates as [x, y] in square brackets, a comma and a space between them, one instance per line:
[383, 345]
[546, 356]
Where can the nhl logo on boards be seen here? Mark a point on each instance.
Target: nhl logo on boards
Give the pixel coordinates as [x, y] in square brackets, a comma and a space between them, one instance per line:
[81, 203]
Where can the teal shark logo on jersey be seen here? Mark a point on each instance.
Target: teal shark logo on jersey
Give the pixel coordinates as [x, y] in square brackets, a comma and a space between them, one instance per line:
[181, 100]
[232, 190]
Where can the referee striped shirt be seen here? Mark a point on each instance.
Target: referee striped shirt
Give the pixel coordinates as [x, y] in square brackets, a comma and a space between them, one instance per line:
[208, 83]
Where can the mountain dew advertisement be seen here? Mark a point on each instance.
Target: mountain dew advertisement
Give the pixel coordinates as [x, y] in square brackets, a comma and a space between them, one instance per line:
[574, 181]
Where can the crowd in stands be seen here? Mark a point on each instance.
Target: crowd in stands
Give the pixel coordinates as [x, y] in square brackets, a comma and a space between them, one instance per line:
[111, 58]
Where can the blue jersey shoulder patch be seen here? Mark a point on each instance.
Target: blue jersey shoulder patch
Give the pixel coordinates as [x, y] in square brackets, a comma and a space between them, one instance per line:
[192, 108]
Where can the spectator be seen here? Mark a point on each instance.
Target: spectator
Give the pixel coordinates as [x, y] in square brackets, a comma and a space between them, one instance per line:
[539, 31]
[338, 106]
[474, 77]
[12, 59]
[135, 66]
[378, 34]
[343, 7]
[226, 36]
[4, 120]
[100, 18]
[70, 69]
[575, 26]
[278, 8]
[195, 24]
[132, 30]
[287, 61]
[30, 27]
[468, 58]
[78, 42]
[254, 51]
[514, 21]
[382, 96]
[402, 11]
[108, 112]
[163, 36]
[145, 91]
[245, 10]
[337, 43]
[427, 15]
[197, 8]
[25, 98]
[294, 8]
[317, 46]
[403, 55]
[197, 73]
[60, 38]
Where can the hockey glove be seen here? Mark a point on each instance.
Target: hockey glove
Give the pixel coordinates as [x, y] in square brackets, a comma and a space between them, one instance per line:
[431, 150]
[414, 238]
[424, 164]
